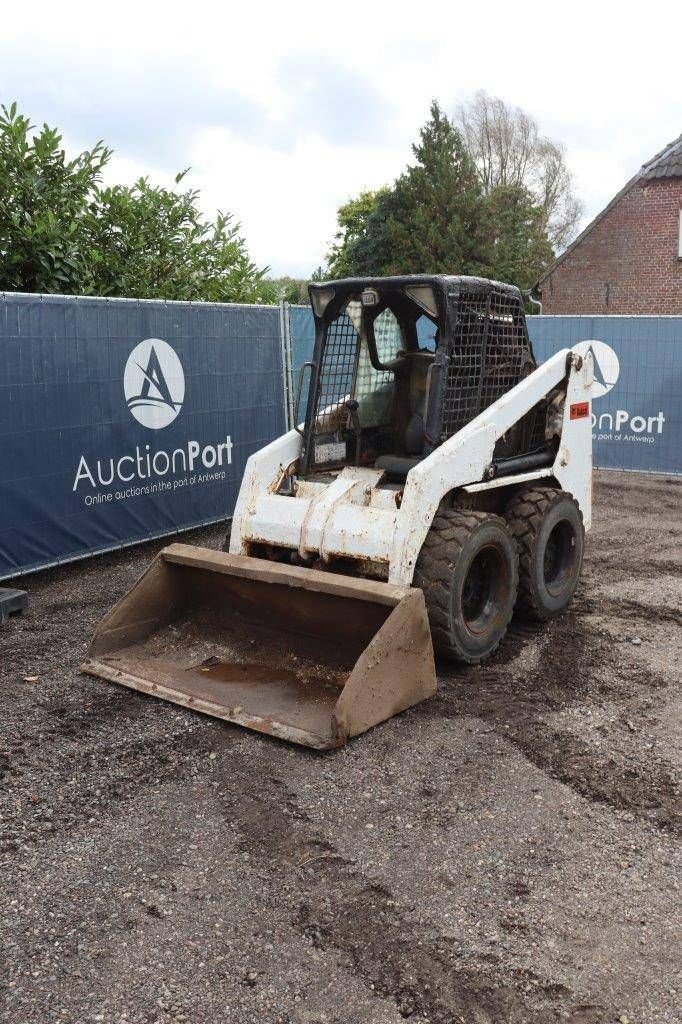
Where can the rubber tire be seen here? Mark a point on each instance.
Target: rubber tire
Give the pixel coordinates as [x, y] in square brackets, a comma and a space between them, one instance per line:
[532, 515]
[452, 543]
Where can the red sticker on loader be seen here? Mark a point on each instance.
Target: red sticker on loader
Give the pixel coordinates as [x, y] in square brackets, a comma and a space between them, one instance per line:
[580, 410]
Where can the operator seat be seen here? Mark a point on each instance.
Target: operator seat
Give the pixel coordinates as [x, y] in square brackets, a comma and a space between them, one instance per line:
[414, 435]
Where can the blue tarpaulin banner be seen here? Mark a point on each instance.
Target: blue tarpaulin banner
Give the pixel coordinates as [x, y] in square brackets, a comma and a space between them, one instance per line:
[636, 403]
[122, 420]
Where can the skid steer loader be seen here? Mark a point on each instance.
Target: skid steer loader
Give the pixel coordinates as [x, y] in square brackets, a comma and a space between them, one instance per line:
[439, 479]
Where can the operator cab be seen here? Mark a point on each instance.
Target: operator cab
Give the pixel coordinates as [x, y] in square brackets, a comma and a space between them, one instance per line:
[402, 363]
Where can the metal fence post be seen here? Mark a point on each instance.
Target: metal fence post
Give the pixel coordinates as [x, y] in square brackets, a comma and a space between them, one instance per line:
[287, 372]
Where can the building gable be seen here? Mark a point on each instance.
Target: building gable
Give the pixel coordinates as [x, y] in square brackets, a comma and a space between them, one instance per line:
[628, 259]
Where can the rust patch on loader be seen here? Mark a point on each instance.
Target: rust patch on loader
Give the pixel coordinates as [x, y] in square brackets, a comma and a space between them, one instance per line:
[307, 656]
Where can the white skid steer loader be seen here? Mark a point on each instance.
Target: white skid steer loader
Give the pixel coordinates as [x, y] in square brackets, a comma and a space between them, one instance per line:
[440, 480]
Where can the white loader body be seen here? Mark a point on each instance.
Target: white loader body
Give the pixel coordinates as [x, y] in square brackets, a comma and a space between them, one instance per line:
[359, 516]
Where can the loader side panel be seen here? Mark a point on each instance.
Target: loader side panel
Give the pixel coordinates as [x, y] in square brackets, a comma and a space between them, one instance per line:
[396, 669]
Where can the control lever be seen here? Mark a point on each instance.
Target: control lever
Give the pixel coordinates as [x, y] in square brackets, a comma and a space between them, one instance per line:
[353, 423]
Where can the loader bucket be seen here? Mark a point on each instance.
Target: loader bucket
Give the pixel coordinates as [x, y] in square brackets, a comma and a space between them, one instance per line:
[307, 656]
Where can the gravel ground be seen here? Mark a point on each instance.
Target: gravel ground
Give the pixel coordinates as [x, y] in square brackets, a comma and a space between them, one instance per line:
[503, 853]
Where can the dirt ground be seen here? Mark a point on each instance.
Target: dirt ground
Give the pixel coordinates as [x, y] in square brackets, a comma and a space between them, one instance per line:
[503, 853]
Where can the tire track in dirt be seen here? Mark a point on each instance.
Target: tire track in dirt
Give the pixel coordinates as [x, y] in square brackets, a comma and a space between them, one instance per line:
[653, 796]
[571, 667]
[646, 569]
[339, 908]
[626, 608]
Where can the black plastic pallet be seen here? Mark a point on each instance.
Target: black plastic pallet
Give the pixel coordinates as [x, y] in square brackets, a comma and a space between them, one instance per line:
[12, 602]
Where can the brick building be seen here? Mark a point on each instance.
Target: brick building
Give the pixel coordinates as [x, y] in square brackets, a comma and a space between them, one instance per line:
[629, 259]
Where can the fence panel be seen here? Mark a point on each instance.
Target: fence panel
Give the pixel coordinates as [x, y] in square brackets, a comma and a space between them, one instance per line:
[122, 420]
[302, 335]
[636, 404]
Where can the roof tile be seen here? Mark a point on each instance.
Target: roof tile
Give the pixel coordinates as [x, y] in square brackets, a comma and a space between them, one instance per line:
[667, 163]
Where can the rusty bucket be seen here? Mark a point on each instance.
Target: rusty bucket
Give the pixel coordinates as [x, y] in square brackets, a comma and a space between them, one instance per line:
[307, 656]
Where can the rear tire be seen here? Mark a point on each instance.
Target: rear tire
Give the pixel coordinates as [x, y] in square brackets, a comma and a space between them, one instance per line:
[547, 526]
[468, 570]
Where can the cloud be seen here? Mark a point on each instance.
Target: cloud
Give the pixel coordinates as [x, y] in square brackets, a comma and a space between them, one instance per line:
[150, 111]
[154, 109]
[265, 188]
[285, 111]
[335, 102]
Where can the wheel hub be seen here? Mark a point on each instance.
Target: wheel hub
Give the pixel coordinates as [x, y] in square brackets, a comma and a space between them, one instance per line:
[479, 589]
[559, 556]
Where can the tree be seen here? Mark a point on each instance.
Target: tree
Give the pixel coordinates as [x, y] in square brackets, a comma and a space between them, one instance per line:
[352, 220]
[44, 208]
[430, 221]
[509, 151]
[151, 242]
[519, 249]
[454, 214]
[61, 231]
[287, 289]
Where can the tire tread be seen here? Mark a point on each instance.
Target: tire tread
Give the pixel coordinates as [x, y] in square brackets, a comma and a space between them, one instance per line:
[524, 515]
[443, 545]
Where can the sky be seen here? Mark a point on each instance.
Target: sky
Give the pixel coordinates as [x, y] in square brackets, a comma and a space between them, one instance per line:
[285, 111]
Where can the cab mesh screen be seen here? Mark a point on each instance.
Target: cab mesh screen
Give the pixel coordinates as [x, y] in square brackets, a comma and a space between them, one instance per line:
[334, 389]
[490, 354]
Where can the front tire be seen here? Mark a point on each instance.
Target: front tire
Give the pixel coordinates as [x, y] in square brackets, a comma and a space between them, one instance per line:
[468, 570]
[548, 528]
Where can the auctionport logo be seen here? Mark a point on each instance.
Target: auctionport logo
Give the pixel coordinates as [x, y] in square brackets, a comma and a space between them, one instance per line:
[154, 386]
[154, 383]
[616, 424]
[606, 365]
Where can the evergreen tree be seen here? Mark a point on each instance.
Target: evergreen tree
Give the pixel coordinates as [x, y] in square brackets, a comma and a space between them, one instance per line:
[518, 246]
[441, 216]
[431, 221]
